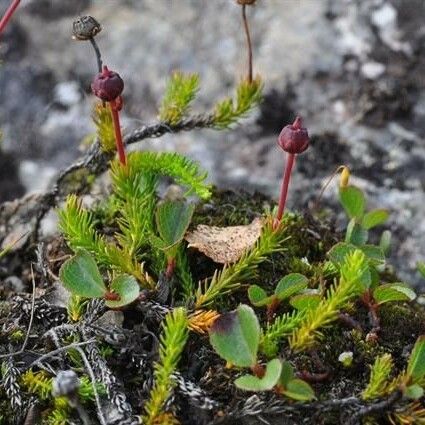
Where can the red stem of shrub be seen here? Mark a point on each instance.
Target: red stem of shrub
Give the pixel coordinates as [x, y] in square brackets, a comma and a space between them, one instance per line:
[171, 265]
[285, 185]
[118, 135]
[9, 12]
[248, 41]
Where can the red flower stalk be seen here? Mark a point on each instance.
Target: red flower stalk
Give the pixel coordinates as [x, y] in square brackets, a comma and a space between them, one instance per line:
[294, 140]
[9, 12]
[108, 86]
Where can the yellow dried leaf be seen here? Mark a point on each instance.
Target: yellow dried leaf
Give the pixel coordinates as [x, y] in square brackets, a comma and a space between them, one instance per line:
[225, 245]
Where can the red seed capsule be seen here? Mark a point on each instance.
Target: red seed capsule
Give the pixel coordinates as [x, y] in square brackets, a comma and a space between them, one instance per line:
[107, 85]
[294, 137]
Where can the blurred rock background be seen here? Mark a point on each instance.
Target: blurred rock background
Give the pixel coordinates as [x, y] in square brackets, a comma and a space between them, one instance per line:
[354, 69]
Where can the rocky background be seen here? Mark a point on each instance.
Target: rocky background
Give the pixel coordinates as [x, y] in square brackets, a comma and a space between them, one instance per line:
[354, 69]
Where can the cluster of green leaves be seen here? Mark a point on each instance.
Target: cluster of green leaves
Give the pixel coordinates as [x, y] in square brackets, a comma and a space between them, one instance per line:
[81, 276]
[134, 206]
[354, 202]
[229, 111]
[179, 94]
[182, 88]
[172, 342]
[40, 384]
[353, 272]
[102, 119]
[236, 337]
[411, 381]
[288, 286]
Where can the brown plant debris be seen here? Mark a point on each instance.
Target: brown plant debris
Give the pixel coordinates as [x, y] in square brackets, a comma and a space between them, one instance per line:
[224, 245]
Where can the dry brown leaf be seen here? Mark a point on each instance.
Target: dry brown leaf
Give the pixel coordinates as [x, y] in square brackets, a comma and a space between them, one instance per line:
[224, 244]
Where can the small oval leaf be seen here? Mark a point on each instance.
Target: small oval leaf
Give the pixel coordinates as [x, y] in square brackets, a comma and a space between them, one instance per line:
[415, 392]
[287, 373]
[257, 296]
[416, 365]
[290, 285]
[393, 292]
[266, 383]
[81, 276]
[375, 218]
[356, 234]
[172, 220]
[305, 301]
[298, 389]
[126, 287]
[353, 201]
[235, 336]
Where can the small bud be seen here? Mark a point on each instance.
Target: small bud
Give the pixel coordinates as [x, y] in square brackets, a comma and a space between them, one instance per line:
[65, 384]
[345, 177]
[107, 85]
[294, 138]
[85, 28]
[246, 2]
[346, 358]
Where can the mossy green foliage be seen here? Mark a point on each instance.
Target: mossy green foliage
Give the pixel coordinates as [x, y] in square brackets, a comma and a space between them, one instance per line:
[173, 340]
[102, 119]
[134, 205]
[180, 92]
[339, 295]
[182, 89]
[58, 409]
[228, 111]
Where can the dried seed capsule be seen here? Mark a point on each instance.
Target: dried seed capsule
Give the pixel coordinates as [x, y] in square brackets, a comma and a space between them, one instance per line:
[107, 85]
[246, 2]
[294, 137]
[85, 28]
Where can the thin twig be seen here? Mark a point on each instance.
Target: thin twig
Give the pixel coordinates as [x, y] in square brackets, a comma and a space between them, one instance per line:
[93, 382]
[248, 42]
[58, 351]
[97, 52]
[379, 407]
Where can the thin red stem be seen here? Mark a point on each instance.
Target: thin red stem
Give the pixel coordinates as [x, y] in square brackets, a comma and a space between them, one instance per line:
[118, 135]
[285, 185]
[171, 265]
[248, 41]
[9, 12]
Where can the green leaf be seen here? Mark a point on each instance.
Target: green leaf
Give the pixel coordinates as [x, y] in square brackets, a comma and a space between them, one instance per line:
[290, 285]
[81, 276]
[416, 365]
[385, 242]
[287, 374]
[375, 218]
[415, 392]
[374, 254]
[298, 389]
[258, 296]
[356, 234]
[172, 220]
[266, 383]
[353, 201]
[421, 268]
[127, 288]
[339, 252]
[235, 336]
[180, 92]
[305, 301]
[393, 292]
